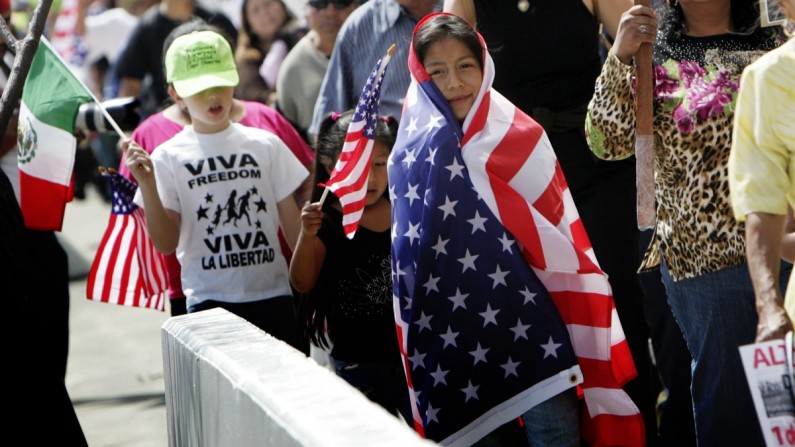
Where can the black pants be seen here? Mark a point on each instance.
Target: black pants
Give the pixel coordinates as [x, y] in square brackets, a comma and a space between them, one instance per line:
[276, 316]
[49, 299]
[37, 347]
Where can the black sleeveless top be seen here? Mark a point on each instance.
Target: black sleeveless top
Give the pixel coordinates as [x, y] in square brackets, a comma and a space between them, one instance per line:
[547, 56]
[356, 278]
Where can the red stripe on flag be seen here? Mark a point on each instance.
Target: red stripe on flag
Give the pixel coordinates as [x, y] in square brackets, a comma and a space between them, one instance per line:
[351, 155]
[611, 430]
[584, 308]
[600, 373]
[118, 225]
[407, 370]
[154, 276]
[623, 365]
[137, 298]
[516, 217]
[354, 137]
[478, 119]
[581, 241]
[515, 148]
[353, 207]
[125, 264]
[549, 203]
[92, 275]
[342, 189]
[42, 202]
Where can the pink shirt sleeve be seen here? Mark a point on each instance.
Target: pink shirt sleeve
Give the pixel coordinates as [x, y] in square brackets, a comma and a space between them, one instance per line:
[263, 117]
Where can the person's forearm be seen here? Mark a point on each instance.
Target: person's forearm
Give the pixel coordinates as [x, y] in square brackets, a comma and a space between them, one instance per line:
[462, 8]
[304, 265]
[788, 247]
[609, 13]
[764, 234]
[163, 228]
[290, 220]
[611, 138]
[304, 192]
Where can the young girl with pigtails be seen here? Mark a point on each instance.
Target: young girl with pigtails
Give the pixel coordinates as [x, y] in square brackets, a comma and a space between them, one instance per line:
[346, 284]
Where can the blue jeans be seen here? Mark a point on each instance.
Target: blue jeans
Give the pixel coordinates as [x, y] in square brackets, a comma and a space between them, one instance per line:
[554, 422]
[717, 314]
[382, 382]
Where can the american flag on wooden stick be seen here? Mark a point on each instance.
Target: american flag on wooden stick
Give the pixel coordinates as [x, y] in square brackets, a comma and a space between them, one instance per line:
[127, 270]
[348, 180]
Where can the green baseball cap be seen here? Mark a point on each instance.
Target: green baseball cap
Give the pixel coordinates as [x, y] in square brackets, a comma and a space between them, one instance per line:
[198, 61]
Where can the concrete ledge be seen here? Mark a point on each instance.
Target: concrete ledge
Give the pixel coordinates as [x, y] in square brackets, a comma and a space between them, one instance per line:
[230, 384]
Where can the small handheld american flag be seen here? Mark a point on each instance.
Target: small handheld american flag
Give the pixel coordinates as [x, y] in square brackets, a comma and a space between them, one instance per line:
[127, 270]
[348, 180]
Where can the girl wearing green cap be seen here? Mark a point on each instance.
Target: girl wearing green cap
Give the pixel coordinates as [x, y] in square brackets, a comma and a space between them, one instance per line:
[217, 168]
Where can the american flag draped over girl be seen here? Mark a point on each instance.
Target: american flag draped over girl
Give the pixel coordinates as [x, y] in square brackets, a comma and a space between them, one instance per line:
[500, 303]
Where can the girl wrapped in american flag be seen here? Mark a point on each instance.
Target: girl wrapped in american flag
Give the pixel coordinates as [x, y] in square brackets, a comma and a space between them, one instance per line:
[501, 308]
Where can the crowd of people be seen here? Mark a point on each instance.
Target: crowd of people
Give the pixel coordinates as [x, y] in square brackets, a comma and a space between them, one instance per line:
[498, 256]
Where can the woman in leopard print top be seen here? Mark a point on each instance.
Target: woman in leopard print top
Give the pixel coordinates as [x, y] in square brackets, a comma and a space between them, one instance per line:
[699, 53]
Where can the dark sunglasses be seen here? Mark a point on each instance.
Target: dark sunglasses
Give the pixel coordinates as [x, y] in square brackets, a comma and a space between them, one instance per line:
[321, 4]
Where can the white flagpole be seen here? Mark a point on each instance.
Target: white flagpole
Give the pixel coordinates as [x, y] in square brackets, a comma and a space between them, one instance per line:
[102, 109]
[93, 97]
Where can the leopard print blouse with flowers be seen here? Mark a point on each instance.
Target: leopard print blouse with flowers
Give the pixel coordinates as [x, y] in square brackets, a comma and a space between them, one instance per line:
[696, 82]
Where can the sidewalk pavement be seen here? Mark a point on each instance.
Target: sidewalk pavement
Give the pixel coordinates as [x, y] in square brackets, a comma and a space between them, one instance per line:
[115, 368]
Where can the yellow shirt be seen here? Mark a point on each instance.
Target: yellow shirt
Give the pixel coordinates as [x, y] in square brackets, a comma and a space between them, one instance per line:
[762, 160]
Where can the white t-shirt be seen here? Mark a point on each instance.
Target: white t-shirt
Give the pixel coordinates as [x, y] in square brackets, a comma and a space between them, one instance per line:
[107, 33]
[225, 186]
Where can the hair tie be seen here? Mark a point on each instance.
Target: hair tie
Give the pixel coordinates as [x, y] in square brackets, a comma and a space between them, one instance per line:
[335, 115]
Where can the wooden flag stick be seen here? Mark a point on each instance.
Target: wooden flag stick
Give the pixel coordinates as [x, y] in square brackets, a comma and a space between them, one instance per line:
[323, 197]
[644, 134]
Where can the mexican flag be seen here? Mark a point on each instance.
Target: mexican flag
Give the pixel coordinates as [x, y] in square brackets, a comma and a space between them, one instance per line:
[50, 99]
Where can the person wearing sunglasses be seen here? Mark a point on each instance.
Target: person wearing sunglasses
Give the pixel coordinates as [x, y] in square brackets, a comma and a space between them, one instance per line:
[301, 73]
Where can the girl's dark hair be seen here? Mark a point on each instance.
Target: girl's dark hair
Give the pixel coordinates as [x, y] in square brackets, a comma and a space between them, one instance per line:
[315, 311]
[745, 17]
[441, 27]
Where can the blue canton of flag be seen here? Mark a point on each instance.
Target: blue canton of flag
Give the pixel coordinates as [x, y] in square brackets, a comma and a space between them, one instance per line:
[483, 340]
[348, 180]
[123, 193]
[367, 107]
